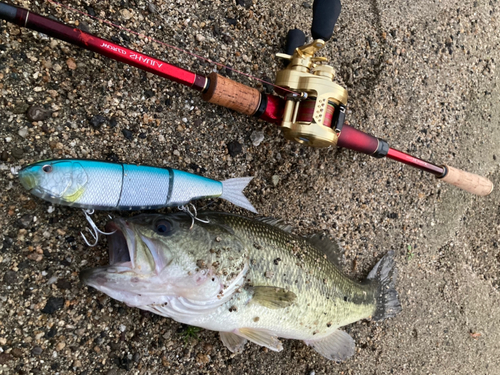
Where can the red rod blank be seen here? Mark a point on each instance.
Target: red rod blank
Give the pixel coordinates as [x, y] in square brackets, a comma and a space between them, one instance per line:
[405, 158]
[108, 49]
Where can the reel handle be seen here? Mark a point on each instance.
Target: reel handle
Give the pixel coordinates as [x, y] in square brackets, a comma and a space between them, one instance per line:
[294, 39]
[467, 181]
[325, 15]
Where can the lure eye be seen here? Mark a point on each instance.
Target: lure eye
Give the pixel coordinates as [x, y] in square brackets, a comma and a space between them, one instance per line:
[164, 227]
[47, 168]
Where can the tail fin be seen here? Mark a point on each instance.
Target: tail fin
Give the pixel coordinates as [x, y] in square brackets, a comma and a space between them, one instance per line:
[384, 275]
[232, 191]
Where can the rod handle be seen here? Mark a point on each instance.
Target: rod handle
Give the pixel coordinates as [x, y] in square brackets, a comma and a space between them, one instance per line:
[230, 94]
[467, 181]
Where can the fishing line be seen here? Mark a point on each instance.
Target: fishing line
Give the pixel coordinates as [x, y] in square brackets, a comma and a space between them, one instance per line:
[150, 39]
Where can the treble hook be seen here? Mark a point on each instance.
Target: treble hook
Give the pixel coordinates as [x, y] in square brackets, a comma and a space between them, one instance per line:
[94, 232]
[194, 216]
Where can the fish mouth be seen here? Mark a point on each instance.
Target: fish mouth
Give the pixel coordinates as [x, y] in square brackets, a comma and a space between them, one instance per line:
[118, 246]
[120, 253]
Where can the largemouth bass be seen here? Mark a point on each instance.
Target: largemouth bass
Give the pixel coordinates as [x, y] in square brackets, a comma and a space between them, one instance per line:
[100, 185]
[248, 279]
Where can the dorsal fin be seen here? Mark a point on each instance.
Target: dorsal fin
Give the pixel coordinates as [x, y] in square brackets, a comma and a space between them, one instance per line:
[278, 223]
[327, 247]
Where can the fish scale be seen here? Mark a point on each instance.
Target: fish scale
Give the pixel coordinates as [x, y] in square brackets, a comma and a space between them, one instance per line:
[304, 277]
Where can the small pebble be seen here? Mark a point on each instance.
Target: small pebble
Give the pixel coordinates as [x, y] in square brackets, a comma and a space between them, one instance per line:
[10, 277]
[5, 357]
[200, 38]
[71, 63]
[63, 284]
[113, 122]
[36, 113]
[245, 3]
[97, 121]
[17, 153]
[23, 132]
[84, 27]
[20, 108]
[257, 137]
[90, 11]
[234, 148]
[126, 14]
[17, 352]
[36, 350]
[4, 156]
[25, 221]
[276, 179]
[128, 134]
[52, 305]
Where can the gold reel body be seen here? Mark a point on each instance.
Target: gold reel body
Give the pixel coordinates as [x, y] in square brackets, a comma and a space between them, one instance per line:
[311, 121]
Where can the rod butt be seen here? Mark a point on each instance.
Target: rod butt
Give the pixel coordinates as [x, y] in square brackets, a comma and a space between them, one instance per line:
[467, 181]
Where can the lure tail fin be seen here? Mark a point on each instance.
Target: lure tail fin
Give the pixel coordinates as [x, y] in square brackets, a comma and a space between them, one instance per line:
[232, 191]
[384, 275]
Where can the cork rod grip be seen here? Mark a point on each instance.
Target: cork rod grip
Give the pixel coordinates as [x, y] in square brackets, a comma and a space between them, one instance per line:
[228, 93]
[468, 181]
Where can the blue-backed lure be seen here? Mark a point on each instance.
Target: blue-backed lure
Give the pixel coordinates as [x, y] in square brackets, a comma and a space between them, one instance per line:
[100, 185]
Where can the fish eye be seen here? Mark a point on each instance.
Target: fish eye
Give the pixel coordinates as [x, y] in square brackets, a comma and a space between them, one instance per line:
[47, 168]
[164, 227]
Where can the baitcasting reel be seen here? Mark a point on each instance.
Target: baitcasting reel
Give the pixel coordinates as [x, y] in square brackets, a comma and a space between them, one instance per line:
[315, 117]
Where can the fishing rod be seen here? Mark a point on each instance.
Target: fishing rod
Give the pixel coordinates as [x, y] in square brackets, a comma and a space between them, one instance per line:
[309, 108]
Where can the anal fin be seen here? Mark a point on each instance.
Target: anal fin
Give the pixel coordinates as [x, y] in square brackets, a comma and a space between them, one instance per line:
[338, 346]
[233, 342]
[261, 337]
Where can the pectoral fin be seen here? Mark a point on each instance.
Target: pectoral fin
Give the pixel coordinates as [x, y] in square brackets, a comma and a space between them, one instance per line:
[338, 346]
[261, 337]
[272, 297]
[233, 342]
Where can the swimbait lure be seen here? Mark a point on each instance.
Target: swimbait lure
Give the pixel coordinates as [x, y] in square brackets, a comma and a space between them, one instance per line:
[99, 185]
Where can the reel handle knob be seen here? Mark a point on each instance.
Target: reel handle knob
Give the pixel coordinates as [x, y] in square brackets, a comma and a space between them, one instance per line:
[294, 39]
[325, 15]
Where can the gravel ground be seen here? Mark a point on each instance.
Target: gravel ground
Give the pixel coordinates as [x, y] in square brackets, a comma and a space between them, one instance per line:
[420, 74]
